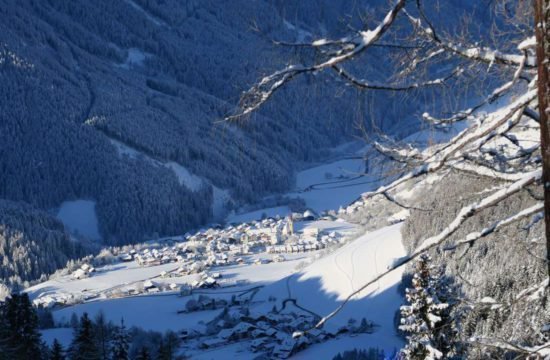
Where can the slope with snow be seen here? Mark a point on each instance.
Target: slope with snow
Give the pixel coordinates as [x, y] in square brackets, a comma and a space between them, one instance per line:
[79, 217]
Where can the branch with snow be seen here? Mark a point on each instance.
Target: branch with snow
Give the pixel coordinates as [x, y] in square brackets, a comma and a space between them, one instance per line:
[496, 94]
[366, 85]
[252, 99]
[434, 241]
[474, 236]
[475, 53]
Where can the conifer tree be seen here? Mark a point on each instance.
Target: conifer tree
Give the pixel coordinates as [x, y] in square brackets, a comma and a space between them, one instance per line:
[102, 334]
[121, 343]
[84, 345]
[19, 335]
[57, 352]
[143, 354]
[425, 318]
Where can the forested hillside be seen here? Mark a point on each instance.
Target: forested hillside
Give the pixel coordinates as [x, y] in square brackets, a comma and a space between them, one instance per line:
[32, 243]
[157, 77]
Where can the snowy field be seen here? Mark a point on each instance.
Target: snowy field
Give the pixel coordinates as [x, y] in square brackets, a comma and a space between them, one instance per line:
[80, 218]
[318, 287]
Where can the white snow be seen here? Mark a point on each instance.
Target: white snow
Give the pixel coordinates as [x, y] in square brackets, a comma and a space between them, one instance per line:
[124, 150]
[80, 218]
[219, 205]
[150, 17]
[63, 335]
[136, 57]
[257, 214]
[326, 282]
[185, 177]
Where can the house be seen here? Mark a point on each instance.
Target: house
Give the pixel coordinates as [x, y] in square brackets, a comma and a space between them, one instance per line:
[261, 261]
[311, 232]
[259, 344]
[126, 257]
[213, 342]
[225, 334]
[79, 274]
[243, 330]
[153, 290]
[148, 284]
[187, 334]
[283, 350]
[309, 215]
[208, 283]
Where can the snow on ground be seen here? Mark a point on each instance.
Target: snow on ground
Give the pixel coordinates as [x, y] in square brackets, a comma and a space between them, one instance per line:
[185, 177]
[219, 204]
[321, 286]
[125, 150]
[150, 17]
[346, 180]
[150, 312]
[325, 187]
[159, 311]
[258, 214]
[339, 226]
[318, 287]
[135, 57]
[80, 218]
[63, 335]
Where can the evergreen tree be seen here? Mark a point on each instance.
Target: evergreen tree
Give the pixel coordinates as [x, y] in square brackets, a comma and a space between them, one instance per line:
[121, 343]
[84, 345]
[19, 335]
[167, 346]
[57, 352]
[103, 335]
[162, 352]
[143, 354]
[425, 319]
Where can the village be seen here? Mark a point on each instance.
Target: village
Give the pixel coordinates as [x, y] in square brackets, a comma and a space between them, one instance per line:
[193, 261]
[192, 268]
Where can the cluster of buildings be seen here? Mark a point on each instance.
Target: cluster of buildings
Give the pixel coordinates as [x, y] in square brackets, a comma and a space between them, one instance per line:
[224, 246]
[270, 334]
[217, 246]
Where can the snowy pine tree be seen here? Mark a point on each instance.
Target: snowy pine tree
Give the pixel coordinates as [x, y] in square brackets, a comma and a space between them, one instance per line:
[57, 352]
[83, 346]
[425, 317]
[121, 343]
[19, 335]
[143, 354]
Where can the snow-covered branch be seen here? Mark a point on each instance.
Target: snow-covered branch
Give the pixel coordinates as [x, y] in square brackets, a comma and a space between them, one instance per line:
[363, 84]
[434, 241]
[252, 99]
[496, 94]
[475, 53]
[474, 236]
[541, 351]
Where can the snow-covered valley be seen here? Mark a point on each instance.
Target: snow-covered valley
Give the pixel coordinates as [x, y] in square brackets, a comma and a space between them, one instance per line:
[289, 264]
[274, 179]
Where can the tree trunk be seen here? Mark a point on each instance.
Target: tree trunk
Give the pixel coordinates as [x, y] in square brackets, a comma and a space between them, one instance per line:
[542, 32]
